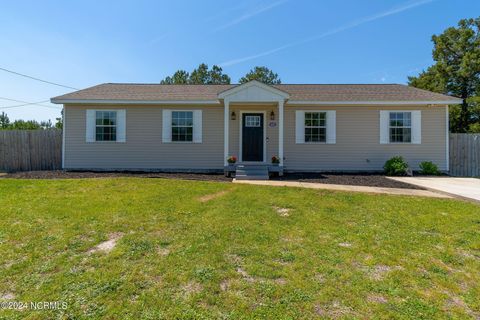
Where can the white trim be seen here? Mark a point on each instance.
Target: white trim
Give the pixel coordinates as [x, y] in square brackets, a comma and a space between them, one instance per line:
[280, 130]
[240, 153]
[93, 113]
[217, 102]
[148, 102]
[331, 129]
[121, 125]
[375, 103]
[384, 125]
[226, 133]
[63, 136]
[167, 134]
[253, 83]
[330, 126]
[166, 125]
[415, 126]
[197, 126]
[299, 126]
[90, 123]
[447, 143]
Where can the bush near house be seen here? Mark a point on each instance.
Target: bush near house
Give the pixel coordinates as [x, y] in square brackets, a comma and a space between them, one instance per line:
[429, 168]
[396, 166]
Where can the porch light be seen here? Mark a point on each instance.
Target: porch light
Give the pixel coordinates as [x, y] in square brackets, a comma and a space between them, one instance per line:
[272, 115]
[233, 116]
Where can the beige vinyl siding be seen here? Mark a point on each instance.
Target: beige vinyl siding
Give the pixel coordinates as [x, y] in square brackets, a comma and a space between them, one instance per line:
[358, 141]
[235, 129]
[143, 148]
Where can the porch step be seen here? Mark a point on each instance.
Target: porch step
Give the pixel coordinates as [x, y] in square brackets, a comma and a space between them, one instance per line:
[251, 172]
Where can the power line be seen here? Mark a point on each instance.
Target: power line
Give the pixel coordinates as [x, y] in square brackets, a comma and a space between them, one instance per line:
[26, 103]
[37, 79]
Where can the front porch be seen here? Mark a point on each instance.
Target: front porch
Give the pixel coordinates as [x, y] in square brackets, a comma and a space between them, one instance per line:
[253, 129]
[250, 171]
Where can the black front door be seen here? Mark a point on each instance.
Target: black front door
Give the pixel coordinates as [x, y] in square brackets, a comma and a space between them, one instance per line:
[252, 137]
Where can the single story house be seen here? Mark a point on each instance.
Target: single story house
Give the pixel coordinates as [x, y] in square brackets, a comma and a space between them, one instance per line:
[309, 127]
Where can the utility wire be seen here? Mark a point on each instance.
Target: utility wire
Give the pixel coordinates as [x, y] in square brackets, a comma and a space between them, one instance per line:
[26, 103]
[37, 79]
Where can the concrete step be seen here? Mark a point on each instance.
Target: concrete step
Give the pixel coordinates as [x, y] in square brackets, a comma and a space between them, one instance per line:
[251, 172]
[250, 177]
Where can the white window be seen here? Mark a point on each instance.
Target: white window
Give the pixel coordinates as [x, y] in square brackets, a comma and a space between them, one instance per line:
[314, 126]
[400, 127]
[105, 125]
[252, 121]
[182, 126]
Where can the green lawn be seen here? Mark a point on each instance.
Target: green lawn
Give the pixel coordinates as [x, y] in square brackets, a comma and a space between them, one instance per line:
[237, 255]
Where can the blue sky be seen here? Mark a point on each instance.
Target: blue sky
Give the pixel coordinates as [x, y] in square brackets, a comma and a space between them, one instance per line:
[83, 43]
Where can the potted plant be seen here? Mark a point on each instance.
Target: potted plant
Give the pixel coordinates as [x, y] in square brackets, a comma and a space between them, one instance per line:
[231, 160]
[231, 166]
[275, 160]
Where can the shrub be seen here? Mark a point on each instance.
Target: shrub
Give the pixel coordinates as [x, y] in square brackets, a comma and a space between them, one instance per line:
[429, 168]
[396, 166]
[232, 159]
[275, 160]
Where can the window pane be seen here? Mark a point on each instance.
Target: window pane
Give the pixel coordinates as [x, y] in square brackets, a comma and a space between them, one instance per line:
[182, 126]
[252, 121]
[105, 133]
[105, 125]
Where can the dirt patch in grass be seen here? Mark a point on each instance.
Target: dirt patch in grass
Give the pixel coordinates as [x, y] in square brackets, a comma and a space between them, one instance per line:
[380, 271]
[283, 212]
[7, 296]
[360, 179]
[108, 245]
[191, 288]
[376, 298]
[60, 174]
[212, 196]
[163, 251]
[333, 311]
[245, 275]
[345, 244]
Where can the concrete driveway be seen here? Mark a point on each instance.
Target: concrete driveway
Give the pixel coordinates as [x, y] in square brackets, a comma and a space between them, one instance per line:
[468, 188]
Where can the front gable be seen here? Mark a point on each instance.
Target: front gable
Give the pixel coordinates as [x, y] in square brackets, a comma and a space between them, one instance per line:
[253, 91]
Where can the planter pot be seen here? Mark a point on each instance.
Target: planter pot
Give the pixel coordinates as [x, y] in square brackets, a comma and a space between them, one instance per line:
[229, 169]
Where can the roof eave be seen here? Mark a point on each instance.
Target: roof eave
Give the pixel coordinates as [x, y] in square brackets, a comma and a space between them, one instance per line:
[375, 103]
[143, 102]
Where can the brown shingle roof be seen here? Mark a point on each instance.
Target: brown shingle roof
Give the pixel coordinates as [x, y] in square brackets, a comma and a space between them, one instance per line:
[298, 92]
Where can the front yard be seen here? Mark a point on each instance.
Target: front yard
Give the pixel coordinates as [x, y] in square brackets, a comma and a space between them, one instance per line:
[139, 248]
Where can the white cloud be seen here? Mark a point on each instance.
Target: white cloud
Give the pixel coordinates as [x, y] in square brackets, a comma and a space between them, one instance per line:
[407, 6]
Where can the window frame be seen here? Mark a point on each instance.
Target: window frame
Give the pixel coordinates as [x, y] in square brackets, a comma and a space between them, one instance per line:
[172, 126]
[106, 126]
[305, 127]
[390, 127]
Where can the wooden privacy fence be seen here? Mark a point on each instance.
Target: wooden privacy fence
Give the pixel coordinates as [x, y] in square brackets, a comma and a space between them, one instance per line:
[465, 154]
[25, 150]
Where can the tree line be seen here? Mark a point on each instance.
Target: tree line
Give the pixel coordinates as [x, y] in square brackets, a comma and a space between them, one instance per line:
[203, 75]
[6, 124]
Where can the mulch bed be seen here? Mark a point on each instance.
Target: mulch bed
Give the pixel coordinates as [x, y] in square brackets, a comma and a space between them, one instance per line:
[91, 174]
[360, 179]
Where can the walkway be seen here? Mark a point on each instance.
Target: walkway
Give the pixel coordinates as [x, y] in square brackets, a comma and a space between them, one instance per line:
[467, 188]
[338, 187]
